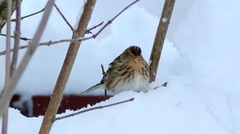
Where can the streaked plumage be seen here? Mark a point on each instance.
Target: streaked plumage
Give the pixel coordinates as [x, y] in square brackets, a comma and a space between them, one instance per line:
[129, 71]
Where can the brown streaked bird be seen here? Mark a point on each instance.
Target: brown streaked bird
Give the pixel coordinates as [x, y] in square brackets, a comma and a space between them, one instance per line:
[129, 71]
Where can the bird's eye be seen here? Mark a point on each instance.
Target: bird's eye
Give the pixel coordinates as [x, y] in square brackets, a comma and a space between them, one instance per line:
[129, 55]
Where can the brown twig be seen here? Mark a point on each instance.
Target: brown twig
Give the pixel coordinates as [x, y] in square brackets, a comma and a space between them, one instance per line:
[91, 109]
[64, 18]
[66, 69]
[160, 37]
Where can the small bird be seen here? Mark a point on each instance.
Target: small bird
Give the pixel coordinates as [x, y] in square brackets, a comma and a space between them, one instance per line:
[129, 71]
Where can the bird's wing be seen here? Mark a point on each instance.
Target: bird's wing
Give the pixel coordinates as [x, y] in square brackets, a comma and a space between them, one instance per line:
[92, 88]
[116, 60]
[105, 77]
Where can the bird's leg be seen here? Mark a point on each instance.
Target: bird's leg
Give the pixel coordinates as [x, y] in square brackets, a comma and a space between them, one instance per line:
[105, 94]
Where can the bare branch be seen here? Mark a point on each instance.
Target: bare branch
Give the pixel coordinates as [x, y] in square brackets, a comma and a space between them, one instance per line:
[123, 10]
[7, 66]
[81, 38]
[163, 85]
[90, 29]
[43, 44]
[160, 37]
[64, 18]
[66, 68]
[21, 38]
[91, 109]
[30, 15]
[17, 33]
[8, 42]
[9, 88]
[109, 22]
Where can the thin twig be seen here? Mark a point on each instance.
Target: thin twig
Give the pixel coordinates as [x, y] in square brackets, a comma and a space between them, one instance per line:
[90, 29]
[7, 66]
[64, 18]
[9, 88]
[21, 38]
[42, 44]
[80, 39]
[109, 22]
[8, 42]
[163, 85]
[124, 10]
[17, 34]
[49, 42]
[30, 14]
[94, 108]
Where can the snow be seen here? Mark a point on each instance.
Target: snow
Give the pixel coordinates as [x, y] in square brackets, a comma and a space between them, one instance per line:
[200, 63]
[79, 15]
[164, 20]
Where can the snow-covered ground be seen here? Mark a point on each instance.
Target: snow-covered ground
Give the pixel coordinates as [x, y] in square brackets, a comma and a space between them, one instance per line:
[200, 61]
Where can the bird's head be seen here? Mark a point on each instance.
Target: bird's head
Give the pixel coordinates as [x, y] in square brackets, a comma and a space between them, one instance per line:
[133, 54]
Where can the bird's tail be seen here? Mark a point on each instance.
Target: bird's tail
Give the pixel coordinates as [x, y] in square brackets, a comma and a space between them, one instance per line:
[92, 88]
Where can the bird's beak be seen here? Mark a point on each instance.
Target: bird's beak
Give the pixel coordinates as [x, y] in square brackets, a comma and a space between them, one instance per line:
[136, 59]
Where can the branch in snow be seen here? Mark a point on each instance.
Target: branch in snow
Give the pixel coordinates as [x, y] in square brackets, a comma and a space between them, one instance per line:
[231, 113]
[163, 85]
[94, 108]
[160, 37]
